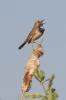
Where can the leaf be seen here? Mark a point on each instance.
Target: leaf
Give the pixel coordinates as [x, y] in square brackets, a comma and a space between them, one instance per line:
[52, 95]
[55, 96]
[36, 74]
[42, 75]
[53, 76]
[44, 98]
[39, 75]
[53, 90]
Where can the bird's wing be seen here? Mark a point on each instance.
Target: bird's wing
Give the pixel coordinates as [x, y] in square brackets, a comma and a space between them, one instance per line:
[31, 34]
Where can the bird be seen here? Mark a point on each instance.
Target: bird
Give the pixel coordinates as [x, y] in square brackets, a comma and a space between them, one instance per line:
[36, 32]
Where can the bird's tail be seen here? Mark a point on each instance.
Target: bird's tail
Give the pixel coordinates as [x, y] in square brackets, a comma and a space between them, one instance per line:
[22, 44]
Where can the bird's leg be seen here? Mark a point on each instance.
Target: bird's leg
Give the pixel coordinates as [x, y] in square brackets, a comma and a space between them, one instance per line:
[32, 45]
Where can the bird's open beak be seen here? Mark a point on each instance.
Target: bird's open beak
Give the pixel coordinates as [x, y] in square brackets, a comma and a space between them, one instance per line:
[42, 21]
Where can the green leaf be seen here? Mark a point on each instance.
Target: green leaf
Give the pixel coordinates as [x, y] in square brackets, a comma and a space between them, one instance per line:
[53, 76]
[52, 95]
[36, 74]
[55, 96]
[42, 75]
[39, 75]
[53, 90]
[44, 98]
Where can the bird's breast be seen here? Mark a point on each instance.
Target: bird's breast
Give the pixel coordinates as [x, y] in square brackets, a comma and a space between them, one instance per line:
[41, 29]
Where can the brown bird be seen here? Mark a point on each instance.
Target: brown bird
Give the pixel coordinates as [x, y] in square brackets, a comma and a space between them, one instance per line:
[35, 33]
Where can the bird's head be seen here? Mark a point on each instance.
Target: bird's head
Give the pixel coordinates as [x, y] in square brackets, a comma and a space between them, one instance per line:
[38, 23]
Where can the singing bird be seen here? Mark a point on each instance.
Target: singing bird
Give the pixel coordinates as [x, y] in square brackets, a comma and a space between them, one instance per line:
[36, 32]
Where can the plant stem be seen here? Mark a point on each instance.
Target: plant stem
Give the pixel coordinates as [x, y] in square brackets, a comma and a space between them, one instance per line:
[44, 91]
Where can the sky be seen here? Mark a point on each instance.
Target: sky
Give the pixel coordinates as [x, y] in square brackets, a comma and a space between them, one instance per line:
[17, 18]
